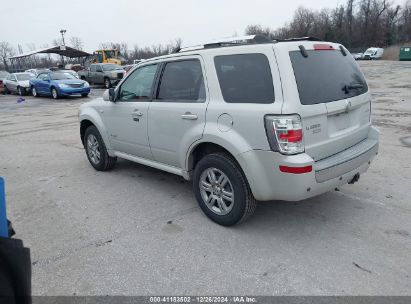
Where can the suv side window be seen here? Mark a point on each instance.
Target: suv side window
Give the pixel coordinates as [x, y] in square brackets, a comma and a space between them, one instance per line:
[99, 68]
[92, 68]
[182, 81]
[138, 86]
[245, 78]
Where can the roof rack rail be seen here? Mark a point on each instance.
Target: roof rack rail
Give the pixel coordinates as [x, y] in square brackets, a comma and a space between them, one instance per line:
[298, 39]
[231, 41]
[240, 40]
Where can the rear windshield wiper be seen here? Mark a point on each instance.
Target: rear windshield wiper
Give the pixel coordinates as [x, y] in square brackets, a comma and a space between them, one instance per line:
[356, 86]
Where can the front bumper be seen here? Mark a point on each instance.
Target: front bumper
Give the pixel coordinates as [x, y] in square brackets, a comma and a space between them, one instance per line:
[115, 81]
[268, 183]
[27, 90]
[73, 91]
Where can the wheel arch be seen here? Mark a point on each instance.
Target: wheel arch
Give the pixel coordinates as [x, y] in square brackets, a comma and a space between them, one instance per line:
[88, 118]
[203, 148]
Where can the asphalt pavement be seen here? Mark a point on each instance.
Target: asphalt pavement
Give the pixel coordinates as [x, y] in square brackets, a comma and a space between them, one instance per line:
[139, 231]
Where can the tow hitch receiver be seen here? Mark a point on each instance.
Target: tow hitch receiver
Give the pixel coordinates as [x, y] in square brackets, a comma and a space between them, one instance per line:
[355, 179]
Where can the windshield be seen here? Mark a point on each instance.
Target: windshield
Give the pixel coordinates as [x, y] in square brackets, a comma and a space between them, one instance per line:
[110, 54]
[61, 76]
[22, 77]
[111, 67]
[370, 52]
[326, 76]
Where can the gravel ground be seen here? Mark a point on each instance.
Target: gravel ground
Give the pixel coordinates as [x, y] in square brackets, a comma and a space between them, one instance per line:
[139, 231]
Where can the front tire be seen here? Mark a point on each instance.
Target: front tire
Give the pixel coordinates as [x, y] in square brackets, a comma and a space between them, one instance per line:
[96, 150]
[21, 91]
[84, 95]
[107, 83]
[222, 190]
[34, 92]
[54, 93]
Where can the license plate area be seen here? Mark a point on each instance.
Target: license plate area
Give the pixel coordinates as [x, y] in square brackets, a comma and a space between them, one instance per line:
[338, 123]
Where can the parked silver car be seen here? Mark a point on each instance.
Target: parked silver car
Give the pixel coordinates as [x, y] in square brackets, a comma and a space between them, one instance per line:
[108, 74]
[18, 83]
[246, 122]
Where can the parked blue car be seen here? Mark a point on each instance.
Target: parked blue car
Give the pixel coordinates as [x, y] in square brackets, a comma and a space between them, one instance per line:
[58, 84]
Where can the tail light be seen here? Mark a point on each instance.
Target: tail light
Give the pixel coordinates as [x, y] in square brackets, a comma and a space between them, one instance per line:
[285, 133]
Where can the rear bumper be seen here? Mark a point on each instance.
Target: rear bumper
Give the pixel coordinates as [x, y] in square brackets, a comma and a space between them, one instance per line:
[268, 183]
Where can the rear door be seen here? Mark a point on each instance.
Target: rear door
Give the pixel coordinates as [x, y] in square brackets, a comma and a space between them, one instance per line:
[334, 101]
[98, 75]
[43, 83]
[177, 113]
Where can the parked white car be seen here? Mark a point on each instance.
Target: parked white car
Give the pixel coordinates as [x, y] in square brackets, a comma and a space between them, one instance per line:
[37, 71]
[373, 54]
[245, 122]
[18, 83]
[358, 56]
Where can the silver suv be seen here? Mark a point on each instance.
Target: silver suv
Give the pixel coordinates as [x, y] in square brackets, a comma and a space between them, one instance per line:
[246, 120]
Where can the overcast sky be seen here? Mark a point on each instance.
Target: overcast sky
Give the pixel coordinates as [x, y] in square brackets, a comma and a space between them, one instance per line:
[141, 22]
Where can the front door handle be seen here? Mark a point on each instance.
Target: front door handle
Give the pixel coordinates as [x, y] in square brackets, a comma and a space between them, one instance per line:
[189, 116]
[136, 115]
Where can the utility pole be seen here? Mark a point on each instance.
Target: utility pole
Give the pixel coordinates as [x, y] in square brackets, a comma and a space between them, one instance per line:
[62, 32]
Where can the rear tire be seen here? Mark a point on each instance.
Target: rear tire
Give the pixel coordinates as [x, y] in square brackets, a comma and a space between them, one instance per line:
[219, 180]
[96, 150]
[6, 91]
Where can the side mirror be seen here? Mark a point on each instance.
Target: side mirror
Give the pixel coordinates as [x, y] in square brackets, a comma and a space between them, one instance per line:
[112, 94]
[109, 95]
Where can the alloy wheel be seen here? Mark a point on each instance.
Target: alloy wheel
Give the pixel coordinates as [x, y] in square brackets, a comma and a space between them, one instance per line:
[216, 191]
[93, 149]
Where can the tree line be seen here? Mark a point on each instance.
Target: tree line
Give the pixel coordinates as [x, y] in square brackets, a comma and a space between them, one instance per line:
[127, 54]
[356, 24]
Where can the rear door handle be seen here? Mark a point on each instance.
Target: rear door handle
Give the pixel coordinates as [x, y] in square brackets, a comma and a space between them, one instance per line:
[189, 116]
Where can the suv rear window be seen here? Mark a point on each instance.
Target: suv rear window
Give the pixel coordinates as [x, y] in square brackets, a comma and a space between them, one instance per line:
[326, 76]
[245, 78]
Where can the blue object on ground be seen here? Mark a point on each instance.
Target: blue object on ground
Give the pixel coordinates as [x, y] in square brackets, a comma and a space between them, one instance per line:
[4, 232]
[21, 99]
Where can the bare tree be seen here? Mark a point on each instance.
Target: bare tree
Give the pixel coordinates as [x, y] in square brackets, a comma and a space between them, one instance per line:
[76, 43]
[356, 24]
[6, 51]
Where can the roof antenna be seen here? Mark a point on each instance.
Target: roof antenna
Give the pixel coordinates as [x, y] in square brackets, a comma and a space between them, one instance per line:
[343, 50]
[303, 51]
